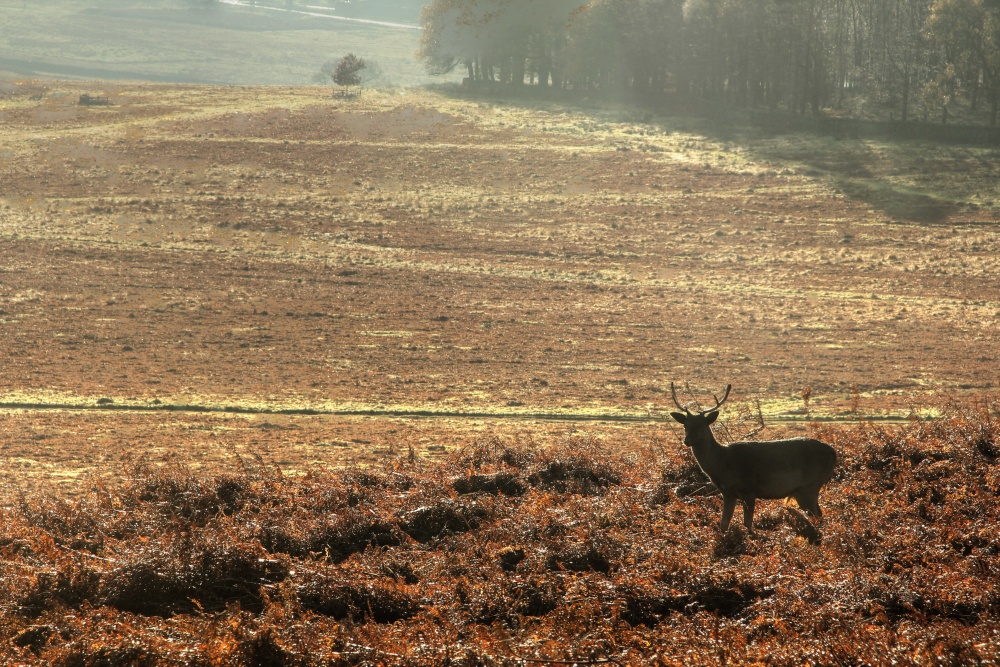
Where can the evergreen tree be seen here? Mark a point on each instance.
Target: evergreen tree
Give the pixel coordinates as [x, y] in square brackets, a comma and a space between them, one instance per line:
[348, 71]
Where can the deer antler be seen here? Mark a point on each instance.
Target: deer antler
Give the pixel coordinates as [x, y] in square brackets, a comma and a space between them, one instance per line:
[673, 393]
[718, 403]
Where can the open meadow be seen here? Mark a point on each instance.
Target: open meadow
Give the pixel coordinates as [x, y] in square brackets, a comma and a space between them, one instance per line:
[294, 380]
[233, 42]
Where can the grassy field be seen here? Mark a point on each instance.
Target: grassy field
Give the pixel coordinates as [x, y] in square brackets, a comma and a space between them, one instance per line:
[295, 380]
[248, 252]
[184, 41]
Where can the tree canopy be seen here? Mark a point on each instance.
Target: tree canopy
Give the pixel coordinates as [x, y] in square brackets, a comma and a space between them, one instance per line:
[895, 59]
[348, 70]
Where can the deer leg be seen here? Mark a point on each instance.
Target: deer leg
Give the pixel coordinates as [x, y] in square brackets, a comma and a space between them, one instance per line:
[728, 505]
[748, 505]
[809, 501]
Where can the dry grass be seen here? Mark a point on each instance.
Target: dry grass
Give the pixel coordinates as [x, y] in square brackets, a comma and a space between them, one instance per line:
[448, 255]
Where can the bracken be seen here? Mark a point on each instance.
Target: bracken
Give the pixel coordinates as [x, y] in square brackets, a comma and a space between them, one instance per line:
[598, 557]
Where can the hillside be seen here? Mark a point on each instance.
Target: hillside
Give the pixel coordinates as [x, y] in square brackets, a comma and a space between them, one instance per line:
[208, 269]
[231, 43]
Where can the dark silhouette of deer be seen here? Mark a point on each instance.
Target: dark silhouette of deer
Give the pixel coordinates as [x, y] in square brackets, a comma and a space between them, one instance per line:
[794, 468]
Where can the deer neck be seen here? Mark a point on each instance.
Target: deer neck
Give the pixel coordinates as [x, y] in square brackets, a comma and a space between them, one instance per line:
[709, 453]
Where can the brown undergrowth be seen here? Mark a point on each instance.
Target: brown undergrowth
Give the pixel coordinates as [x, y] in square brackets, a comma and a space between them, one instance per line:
[509, 554]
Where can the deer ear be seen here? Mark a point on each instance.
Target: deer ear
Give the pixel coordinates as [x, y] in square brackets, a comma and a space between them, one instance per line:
[711, 417]
[679, 416]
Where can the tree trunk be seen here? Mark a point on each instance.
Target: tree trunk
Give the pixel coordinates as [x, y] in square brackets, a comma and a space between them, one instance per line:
[517, 71]
[816, 90]
[558, 81]
[906, 93]
[544, 68]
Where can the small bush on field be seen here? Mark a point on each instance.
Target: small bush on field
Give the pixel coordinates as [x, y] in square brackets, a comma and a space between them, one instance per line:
[343, 597]
[501, 482]
[507, 552]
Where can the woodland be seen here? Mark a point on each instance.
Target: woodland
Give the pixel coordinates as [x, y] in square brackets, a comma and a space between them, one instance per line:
[901, 60]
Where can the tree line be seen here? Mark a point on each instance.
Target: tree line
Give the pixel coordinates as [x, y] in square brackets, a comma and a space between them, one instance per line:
[891, 59]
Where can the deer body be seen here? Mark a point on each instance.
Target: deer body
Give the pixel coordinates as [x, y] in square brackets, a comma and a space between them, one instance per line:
[794, 468]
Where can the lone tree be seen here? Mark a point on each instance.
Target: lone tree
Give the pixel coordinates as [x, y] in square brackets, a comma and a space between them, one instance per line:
[348, 72]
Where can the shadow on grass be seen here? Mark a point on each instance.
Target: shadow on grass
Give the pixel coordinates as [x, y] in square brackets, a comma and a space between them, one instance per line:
[834, 149]
[896, 202]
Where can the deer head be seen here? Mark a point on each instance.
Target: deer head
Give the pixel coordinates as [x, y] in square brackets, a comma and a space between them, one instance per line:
[698, 423]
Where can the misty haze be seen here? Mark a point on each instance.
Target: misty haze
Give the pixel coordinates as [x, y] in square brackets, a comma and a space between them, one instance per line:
[405, 333]
[208, 41]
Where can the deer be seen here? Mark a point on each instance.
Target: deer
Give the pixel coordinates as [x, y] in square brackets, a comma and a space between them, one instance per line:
[747, 470]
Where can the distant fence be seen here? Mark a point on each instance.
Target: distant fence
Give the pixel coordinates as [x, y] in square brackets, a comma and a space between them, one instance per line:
[348, 93]
[851, 128]
[477, 84]
[94, 100]
[778, 122]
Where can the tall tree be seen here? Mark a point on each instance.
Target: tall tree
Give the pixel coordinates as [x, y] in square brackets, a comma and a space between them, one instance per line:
[875, 58]
[496, 40]
[967, 34]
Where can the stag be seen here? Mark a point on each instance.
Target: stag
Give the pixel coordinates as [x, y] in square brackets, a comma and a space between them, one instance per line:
[747, 470]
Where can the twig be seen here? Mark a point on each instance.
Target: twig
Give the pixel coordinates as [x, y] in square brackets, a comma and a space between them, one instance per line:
[357, 649]
[596, 661]
[704, 487]
[760, 419]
